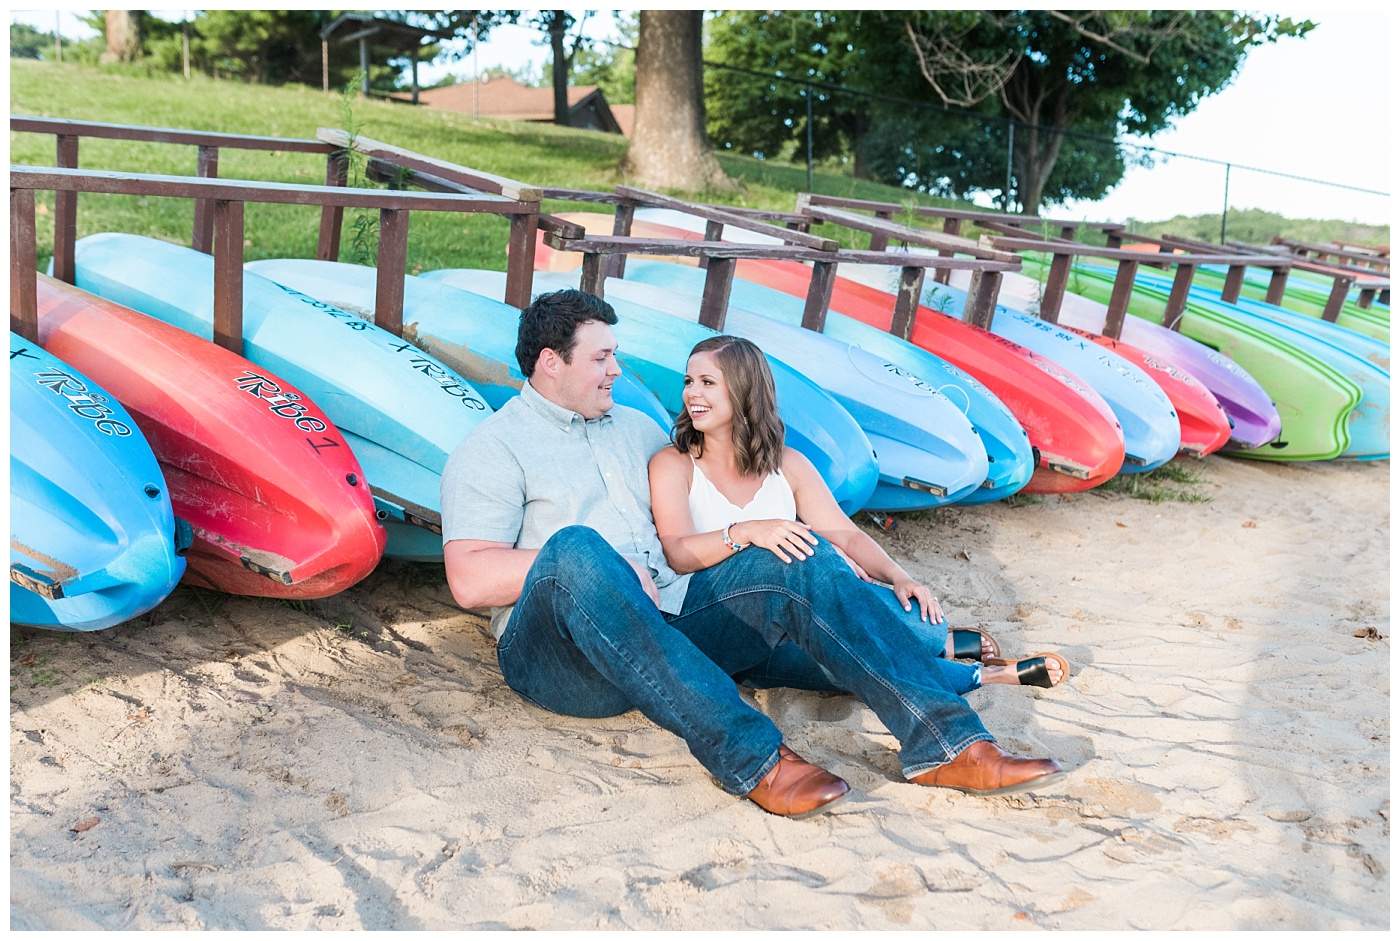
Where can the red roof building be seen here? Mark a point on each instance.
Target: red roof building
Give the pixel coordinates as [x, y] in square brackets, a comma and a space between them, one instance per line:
[503, 97]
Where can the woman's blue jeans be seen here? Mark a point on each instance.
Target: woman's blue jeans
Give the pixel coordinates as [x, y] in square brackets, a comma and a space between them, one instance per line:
[586, 640]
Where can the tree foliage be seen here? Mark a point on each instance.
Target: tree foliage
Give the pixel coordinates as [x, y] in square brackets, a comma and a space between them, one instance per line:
[1064, 80]
[26, 42]
[613, 68]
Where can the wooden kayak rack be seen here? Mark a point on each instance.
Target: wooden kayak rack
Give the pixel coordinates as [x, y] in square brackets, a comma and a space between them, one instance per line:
[218, 215]
[606, 255]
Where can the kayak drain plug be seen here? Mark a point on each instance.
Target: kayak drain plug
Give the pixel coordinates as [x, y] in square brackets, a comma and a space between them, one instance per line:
[352, 480]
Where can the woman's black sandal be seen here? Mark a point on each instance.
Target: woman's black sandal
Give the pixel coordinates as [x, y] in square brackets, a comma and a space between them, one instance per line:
[967, 644]
[1032, 671]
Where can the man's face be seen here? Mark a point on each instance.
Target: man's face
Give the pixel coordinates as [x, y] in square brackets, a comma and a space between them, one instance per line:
[584, 385]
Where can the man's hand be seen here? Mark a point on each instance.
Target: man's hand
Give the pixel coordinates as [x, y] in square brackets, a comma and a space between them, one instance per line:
[648, 585]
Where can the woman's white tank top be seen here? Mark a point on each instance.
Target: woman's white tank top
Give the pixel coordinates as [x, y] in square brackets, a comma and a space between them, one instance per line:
[711, 510]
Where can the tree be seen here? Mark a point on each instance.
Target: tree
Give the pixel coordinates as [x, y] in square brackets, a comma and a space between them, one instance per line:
[557, 24]
[26, 42]
[763, 109]
[1104, 73]
[123, 32]
[669, 146]
[932, 99]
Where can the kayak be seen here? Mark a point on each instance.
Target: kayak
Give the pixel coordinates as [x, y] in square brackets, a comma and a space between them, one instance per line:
[1250, 414]
[1315, 401]
[656, 347]
[94, 540]
[278, 505]
[928, 453]
[400, 410]
[1077, 441]
[1011, 461]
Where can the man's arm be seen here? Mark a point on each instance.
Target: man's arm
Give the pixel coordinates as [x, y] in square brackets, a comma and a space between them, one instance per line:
[486, 574]
[490, 574]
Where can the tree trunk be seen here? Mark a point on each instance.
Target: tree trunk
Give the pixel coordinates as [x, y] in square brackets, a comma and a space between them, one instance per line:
[123, 36]
[557, 25]
[670, 148]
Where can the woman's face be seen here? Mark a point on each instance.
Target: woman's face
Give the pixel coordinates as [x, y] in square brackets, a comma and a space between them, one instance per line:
[706, 394]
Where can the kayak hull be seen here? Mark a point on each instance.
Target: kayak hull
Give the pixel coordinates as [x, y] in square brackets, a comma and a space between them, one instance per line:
[94, 540]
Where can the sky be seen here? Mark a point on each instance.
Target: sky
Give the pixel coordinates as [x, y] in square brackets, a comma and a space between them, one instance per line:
[1318, 107]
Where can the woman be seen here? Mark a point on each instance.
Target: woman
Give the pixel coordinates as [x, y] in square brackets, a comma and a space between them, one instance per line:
[730, 484]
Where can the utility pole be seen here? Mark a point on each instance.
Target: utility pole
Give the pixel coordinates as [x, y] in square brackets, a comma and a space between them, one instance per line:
[58, 36]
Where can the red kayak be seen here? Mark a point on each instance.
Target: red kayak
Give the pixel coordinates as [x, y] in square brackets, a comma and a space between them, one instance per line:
[1205, 428]
[278, 503]
[1077, 437]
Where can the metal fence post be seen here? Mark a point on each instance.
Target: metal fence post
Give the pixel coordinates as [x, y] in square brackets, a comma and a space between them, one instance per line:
[1225, 209]
[807, 93]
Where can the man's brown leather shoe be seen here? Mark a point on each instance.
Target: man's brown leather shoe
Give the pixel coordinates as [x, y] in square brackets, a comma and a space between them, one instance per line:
[796, 788]
[984, 769]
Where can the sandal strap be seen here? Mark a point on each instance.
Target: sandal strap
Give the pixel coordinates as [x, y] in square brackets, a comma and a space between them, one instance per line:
[967, 644]
[1033, 672]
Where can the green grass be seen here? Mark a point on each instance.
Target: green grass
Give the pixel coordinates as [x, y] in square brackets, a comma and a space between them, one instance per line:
[532, 153]
[1177, 481]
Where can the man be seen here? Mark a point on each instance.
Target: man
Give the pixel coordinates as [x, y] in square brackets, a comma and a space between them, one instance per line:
[547, 518]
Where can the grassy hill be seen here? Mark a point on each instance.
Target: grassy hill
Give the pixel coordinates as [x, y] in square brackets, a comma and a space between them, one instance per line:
[532, 153]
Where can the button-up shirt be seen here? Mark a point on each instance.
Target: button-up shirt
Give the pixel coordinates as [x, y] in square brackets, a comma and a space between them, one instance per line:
[535, 467]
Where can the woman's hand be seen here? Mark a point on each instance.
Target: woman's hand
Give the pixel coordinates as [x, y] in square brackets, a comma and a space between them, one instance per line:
[908, 590]
[779, 537]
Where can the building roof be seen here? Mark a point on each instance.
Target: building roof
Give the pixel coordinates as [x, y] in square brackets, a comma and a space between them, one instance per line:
[501, 97]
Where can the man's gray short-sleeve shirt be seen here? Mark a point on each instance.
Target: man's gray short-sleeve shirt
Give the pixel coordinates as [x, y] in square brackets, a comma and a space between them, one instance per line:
[535, 467]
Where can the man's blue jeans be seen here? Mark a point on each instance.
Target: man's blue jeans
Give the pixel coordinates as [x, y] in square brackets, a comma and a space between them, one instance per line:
[586, 640]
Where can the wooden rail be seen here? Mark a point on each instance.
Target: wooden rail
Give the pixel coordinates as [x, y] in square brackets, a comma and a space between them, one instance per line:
[207, 143]
[447, 176]
[1249, 255]
[521, 206]
[718, 258]
[227, 197]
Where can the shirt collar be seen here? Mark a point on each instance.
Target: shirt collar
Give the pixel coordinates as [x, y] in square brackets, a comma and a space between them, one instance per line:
[552, 412]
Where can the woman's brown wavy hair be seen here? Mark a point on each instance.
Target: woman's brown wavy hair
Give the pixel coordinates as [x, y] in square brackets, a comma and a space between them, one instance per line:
[758, 431]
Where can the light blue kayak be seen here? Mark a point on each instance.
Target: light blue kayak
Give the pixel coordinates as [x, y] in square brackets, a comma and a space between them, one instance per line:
[928, 452]
[1010, 460]
[93, 539]
[656, 347]
[401, 410]
[478, 335]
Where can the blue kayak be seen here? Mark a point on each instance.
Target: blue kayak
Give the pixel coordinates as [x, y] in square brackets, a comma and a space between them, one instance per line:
[1010, 460]
[93, 539]
[478, 335]
[928, 452]
[479, 343]
[401, 410]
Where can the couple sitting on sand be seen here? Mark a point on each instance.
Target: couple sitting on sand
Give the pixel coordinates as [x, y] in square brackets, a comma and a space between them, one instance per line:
[626, 571]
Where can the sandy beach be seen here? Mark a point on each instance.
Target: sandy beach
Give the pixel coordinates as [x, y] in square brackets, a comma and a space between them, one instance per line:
[357, 762]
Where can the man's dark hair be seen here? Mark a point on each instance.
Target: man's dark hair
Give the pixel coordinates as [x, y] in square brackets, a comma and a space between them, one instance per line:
[551, 321]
